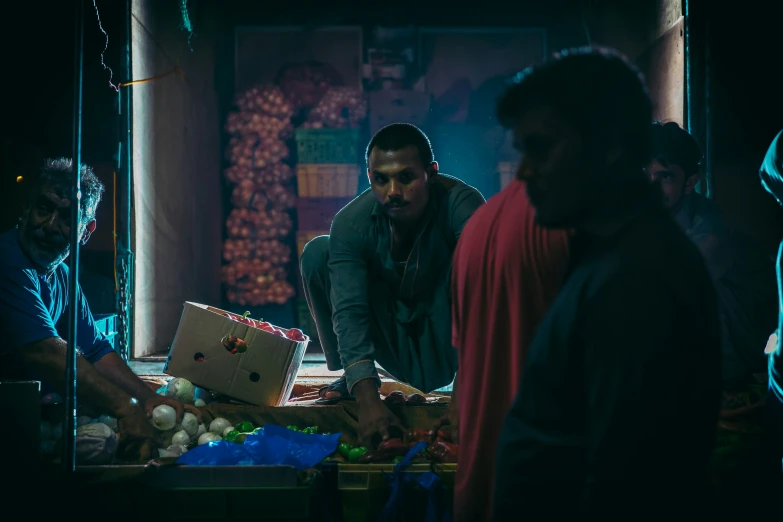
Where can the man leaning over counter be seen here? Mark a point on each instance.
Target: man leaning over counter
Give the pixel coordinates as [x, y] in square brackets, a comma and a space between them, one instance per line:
[378, 285]
[34, 310]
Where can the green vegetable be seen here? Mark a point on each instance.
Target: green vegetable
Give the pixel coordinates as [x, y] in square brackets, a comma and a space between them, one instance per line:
[241, 438]
[245, 427]
[310, 430]
[397, 460]
[344, 449]
[231, 436]
[354, 454]
[292, 427]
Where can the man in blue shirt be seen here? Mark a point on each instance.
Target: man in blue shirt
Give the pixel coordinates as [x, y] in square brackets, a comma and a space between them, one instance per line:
[33, 310]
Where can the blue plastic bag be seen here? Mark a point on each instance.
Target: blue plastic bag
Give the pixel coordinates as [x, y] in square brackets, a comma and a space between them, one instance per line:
[430, 482]
[270, 446]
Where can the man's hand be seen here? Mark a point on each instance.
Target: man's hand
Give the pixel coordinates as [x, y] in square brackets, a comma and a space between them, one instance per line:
[153, 402]
[139, 440]
[375, 419]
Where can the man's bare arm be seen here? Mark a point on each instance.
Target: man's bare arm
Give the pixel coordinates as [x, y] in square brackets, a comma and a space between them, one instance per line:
[113, 368]
[48, 357]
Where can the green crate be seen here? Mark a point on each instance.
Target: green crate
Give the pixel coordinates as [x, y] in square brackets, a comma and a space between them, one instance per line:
[327, 145]
[306, 323]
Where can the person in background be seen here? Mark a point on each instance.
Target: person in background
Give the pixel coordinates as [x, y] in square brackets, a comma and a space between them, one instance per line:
[771, 174]
[616, 411]
[507, 271]
[378, 285]
[741, 271]
[34, 311]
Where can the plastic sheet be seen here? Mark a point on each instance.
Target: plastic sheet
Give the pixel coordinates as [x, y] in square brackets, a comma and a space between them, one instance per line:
[271, 446]
[429, 482]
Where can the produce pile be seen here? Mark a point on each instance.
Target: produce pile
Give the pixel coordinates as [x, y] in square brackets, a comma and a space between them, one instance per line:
[259, 225]
[340, 108]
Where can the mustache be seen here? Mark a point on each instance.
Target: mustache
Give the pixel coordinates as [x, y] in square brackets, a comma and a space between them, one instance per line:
[397, 203]
[55, 240]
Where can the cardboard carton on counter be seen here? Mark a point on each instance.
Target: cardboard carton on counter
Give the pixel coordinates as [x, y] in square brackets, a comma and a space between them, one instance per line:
[263, 375]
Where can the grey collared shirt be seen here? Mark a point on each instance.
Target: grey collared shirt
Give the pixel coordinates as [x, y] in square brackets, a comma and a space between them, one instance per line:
[364, 280]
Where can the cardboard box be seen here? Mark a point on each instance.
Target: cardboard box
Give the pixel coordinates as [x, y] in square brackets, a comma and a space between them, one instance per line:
[398, 106]
[263, 375]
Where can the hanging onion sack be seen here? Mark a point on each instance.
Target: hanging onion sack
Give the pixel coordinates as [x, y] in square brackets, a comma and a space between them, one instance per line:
[249, 273]
[252, 224]
[258, 123]
[305, 83]
[275, 292]
[267, 99]
[271, 250]
[340, 108]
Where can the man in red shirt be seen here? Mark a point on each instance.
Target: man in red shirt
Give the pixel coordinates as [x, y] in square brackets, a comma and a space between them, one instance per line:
[506, 272]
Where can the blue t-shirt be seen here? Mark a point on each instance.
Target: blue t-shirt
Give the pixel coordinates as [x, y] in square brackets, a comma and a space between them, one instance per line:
[33, 308]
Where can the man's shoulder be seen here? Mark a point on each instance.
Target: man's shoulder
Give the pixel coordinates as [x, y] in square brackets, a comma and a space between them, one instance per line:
[356, 215]
[11, 255]
[456, 188]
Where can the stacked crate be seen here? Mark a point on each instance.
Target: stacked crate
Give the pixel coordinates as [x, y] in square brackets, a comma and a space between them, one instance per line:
[327, 176]
[258, 228]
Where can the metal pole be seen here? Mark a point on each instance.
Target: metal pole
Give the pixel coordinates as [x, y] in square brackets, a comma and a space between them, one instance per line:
[124, 266]
[688, 69]
[708, 105]
[69, 460]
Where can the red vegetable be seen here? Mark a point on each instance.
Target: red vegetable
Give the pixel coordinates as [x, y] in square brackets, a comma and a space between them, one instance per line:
[295, 334]
[443, 452]
[247, 320]
[414, 436]
[393, 448]
[445, 435]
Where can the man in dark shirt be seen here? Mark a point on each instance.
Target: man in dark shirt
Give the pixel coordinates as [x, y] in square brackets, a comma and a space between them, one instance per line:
[34, 311]
[378, 285]
[742, 272]
[617, 408]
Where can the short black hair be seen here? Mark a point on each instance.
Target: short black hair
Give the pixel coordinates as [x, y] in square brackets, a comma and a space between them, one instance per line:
[397, 136]
[595, 89]
[58, 172]
[673, 145]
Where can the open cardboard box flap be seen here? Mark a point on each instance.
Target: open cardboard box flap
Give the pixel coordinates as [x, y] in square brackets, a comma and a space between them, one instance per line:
[263, 375]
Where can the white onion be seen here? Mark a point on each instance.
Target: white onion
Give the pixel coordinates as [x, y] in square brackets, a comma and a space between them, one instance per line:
[181, 389]
[190, 424]
[202, 429]
[228, 430]
[181, 438]
[209, 437]
[218, 425]
[164, 417]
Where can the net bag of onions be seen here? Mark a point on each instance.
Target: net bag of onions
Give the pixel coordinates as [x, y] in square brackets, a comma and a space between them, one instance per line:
[271, 250]
[260, 197]
[340, 108]
[254, 224]
[254, 151]
[258, 123]
[266, 99]
[244, 274]
[275, 292]
[275, 173]
[256, 283]
[305, 83]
